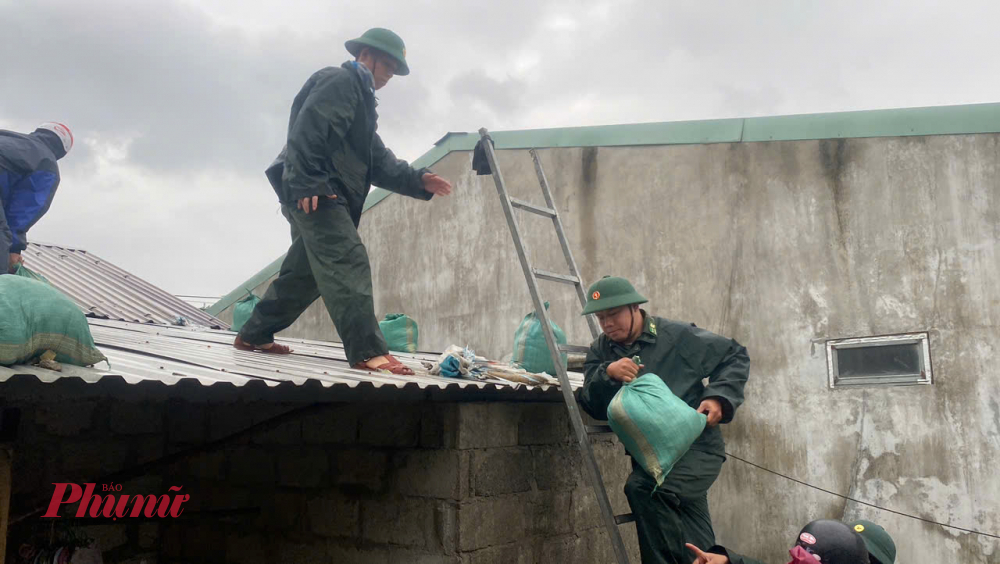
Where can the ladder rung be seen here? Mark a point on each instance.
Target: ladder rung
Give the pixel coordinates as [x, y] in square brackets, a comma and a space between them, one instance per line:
[599, 429]
[555, 277]
[526, 206]
[574, 348]
[626, 518]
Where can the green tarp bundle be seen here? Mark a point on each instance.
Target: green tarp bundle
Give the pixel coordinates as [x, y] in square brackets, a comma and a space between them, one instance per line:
[656, 427]
[400, 332]
[530, 350]
[35, 318]
[27, 273]
[243, 310]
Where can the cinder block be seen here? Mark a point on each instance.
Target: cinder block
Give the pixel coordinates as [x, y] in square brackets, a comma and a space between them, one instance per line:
[615, 466]
[366, 469]
[557, 467]
[246, 549]
[405, 522]
[301, 553]
[432, 473]
[501, 471]
[492, 521]
[304, 468]
[208, 466]
[149, 534]
[566, 548]
[148, 449]
[515, 553]
[251, 465]
[337, 425]
[334, 515]
[438, 425]
[446, 527]
[544, 424]
[487, 425]
[186, 422]
[391, 426]
[338, 553]
[284, 510]
[550, 513]
[584, 511]
[108, 536]
[397, 556]
[66, 418]
[128, 418]
[85, 461]
[141, 558]
[228, 419]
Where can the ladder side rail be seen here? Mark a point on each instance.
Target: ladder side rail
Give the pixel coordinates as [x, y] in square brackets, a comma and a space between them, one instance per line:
[563, 242]
[569, 398]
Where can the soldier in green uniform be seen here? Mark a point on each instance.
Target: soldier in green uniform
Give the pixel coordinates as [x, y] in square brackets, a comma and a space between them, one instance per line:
[332, 157]
[880, 546]
[682, 355]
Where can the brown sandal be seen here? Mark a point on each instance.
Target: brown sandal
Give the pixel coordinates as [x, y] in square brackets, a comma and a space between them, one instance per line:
[273, 349]
[393, 366]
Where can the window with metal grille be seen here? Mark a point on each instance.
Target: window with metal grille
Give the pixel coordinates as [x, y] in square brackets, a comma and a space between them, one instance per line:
[888, 360]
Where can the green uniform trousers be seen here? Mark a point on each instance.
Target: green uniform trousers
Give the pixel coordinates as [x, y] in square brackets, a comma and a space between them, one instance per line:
[677, 512]
[328, 259]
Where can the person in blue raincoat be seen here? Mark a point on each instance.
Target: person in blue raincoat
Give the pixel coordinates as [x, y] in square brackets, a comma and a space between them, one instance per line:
[29, 176]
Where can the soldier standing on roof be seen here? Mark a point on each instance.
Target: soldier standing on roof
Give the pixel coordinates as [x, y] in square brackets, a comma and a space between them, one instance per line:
[322, 177]
[682, 355]
[29, 176]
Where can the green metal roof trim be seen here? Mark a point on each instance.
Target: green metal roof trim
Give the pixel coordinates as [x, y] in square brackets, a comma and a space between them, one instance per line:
[940, 120]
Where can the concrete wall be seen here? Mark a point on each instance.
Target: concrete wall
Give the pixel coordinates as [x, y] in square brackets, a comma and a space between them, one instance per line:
[780, 245]
[430, 483]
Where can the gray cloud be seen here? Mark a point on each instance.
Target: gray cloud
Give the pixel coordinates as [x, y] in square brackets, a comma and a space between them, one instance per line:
[179, 105]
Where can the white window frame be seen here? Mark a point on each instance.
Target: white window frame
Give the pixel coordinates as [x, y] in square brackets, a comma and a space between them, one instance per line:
[925, 377]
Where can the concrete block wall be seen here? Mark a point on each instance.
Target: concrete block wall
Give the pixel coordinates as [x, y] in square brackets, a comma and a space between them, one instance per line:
[461, 483]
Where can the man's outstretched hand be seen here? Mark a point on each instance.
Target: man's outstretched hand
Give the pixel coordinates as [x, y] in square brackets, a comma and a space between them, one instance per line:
[702, 557]
[435, 184]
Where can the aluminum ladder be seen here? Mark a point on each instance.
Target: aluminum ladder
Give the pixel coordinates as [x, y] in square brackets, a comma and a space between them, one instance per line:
[532, 275]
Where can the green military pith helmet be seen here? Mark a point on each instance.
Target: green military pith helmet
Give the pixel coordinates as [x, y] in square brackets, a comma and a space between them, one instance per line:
[611, 292]
[877, 541]
[385, 41]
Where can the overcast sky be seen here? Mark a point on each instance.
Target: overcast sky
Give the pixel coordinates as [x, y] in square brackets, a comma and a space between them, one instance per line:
[178, 106]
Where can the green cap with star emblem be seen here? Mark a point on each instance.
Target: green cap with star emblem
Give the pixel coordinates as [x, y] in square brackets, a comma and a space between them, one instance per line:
[877, 541]
[611, 292]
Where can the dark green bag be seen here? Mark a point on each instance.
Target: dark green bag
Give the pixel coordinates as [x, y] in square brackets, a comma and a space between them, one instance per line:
[243, 310]
[400, 332]
[530, 350]
[35, 318]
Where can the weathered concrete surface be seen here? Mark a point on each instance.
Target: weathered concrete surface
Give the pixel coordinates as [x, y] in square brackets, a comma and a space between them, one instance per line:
[778, 245]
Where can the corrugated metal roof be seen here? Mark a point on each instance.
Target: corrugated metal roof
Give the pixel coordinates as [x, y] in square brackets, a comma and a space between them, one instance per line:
[170, 355]
[103, 290]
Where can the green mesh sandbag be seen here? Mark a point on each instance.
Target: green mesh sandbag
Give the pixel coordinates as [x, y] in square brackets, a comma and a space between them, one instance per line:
[28, 273]
[400, 332]
[35, 317]
[655, 426]
[530, 350]
[243, 310]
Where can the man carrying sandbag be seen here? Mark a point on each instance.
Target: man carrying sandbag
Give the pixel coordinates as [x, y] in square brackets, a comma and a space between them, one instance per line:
[675, 512]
